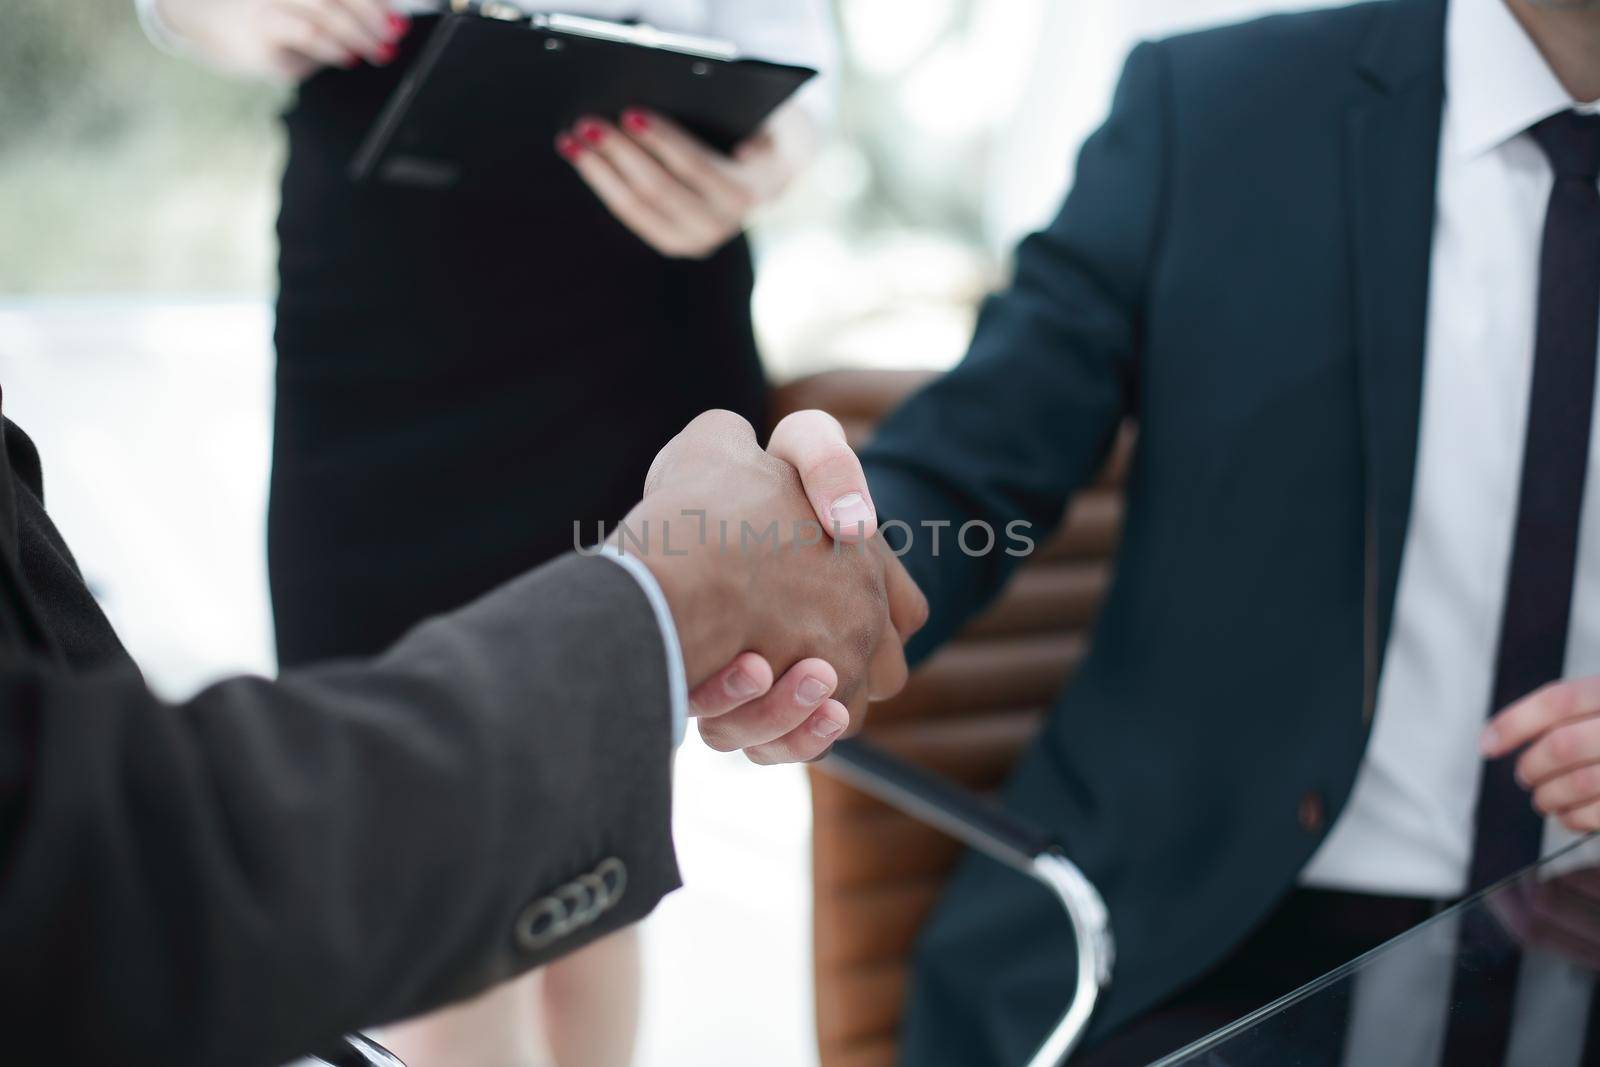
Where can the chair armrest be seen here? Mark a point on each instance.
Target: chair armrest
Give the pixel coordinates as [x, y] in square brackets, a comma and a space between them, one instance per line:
[990, 829]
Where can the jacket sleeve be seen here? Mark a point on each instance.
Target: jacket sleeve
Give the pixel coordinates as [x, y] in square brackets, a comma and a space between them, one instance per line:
[1028, 415]
[243, 877]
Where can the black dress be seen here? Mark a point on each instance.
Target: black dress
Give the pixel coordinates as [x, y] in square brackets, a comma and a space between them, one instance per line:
[462, 376]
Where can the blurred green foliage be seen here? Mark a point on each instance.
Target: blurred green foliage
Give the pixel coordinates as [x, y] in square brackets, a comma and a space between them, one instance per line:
[122, 168]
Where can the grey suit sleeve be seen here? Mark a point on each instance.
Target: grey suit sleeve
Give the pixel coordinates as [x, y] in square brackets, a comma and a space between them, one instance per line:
[242, 877]
[1027, 416]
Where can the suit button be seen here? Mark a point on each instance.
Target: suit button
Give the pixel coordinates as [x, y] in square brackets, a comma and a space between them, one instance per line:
[582, 902]
[1310, 813]
[613, 876]
[542, 924]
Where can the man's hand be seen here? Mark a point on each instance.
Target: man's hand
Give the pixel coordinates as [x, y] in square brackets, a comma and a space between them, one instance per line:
[1560, 725]
[679, 196]
[796, 721]
[284, 40]
[753, 578]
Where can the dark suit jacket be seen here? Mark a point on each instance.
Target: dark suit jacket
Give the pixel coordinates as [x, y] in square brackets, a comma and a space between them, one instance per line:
[239, 878]
[1242, 268]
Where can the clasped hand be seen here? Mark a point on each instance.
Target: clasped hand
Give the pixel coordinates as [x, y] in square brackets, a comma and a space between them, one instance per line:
[771, 559]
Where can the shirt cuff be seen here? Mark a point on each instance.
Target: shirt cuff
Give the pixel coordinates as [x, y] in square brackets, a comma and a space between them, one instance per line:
[677, 680]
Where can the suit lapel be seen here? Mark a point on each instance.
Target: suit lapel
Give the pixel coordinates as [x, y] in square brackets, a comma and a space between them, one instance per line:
[1392, 146]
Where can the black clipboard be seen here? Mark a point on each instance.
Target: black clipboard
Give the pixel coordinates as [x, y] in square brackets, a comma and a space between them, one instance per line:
[492, 86]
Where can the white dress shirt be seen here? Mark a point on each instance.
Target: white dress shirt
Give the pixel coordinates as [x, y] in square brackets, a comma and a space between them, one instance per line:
[1408, 827]
[677, 679]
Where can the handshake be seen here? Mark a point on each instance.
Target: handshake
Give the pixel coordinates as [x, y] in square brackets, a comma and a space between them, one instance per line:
[771, 561]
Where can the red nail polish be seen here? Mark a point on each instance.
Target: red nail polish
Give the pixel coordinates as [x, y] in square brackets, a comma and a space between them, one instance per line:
[636, 120]
[399, 25]
[591, 131]
[385, 54]
[569, 146]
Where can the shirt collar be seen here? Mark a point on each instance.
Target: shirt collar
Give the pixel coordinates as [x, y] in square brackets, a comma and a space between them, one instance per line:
[1498, 84]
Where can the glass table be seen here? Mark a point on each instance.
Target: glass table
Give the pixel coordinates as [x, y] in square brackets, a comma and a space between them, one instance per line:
[1506, 978]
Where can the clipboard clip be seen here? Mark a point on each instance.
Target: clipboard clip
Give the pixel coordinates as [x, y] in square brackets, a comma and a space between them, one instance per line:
[641, 34]
[635, 33]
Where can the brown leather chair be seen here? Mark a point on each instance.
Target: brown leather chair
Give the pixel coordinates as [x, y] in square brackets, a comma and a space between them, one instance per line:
[965, 717]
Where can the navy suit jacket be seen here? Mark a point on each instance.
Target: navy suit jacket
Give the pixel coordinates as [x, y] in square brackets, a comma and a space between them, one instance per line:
[1242, 269]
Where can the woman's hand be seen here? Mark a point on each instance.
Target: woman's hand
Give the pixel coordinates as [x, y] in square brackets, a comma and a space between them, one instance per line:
[682, 198]
[284, 40]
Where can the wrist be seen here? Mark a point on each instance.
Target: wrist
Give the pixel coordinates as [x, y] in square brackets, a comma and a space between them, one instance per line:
[708, 620]
[700, 593]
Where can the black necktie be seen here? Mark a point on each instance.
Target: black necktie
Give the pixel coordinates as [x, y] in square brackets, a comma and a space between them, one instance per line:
[1544, 553]
[1533, 629]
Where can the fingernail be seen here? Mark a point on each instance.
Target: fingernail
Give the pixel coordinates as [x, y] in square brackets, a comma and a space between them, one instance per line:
[569, 146]
[850, 512]
[591, 131]
[399, 25]
[826, 726]
[1489, 741]
[351, 60]
[811, 691]
[740, 685]
[635, 120]
[385, 54]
